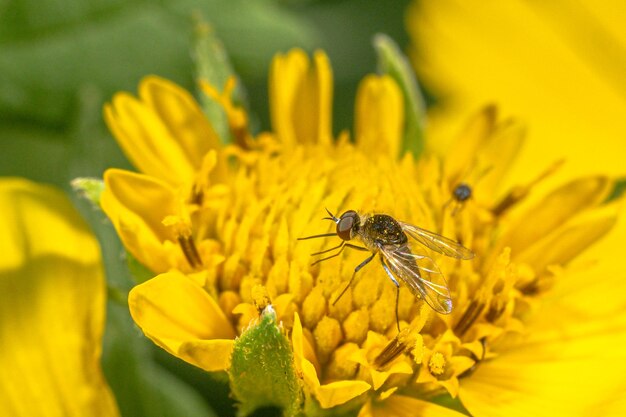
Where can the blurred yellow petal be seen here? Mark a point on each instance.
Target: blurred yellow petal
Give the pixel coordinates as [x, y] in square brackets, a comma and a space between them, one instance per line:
[137, 205]
[555, 209]
[567, 242]
[301, 98]
[402, 406]
[462, 155]
[559, 66]
[178, 315]
[379, 116]
[52, 306]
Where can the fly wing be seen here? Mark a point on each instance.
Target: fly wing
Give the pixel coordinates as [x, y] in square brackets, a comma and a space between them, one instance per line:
[420, 274]
[437, 242]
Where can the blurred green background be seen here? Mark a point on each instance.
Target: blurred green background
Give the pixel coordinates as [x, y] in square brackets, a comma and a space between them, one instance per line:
[61, 60]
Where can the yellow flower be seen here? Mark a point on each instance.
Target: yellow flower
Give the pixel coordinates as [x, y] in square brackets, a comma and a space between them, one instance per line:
[557, 65]
[52, 304]
[225, 245]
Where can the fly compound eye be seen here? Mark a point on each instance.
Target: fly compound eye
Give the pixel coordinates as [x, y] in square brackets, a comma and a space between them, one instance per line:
[346, 223]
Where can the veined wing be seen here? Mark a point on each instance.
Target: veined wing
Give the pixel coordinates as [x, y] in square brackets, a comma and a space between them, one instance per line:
[420, 274]
[437, 242]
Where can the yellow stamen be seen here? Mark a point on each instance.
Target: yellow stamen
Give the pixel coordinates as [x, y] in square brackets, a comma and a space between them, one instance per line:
[437, 364]
[182, 230]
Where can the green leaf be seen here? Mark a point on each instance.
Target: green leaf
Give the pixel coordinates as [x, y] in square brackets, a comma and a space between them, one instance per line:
[391, 61]
[262, 372]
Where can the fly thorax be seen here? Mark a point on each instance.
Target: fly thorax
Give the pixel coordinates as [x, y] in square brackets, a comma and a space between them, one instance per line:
[383, 229]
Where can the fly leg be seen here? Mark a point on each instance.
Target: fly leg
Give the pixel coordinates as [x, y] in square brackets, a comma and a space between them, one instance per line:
[341, 247]
[357, 269]
[393, 279]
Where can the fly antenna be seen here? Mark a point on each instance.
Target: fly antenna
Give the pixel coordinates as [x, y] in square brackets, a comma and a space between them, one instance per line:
[332, 216]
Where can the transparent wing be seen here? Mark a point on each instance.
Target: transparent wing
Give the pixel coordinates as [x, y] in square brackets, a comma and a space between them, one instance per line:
[420, 274]
[437, 242]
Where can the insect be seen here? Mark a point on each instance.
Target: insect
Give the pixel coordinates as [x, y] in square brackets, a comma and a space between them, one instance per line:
[388, 238]
[462, 192]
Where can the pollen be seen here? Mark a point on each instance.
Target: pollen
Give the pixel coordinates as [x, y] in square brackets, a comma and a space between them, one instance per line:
[260, 297]
[418, 349]
[437, 364]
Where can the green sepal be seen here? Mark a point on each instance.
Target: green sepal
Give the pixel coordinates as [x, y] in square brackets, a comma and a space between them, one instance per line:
[89, 188]
[213, 65]
[262, 372]
[393, 62]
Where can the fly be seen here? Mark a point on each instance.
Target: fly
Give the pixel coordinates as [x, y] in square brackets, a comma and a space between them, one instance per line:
[388, 238]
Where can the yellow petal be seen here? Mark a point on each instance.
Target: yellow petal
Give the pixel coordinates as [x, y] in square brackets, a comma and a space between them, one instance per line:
[462, 154]
[145, 140]
[557, 65]
[210, 355]
[182, 116]
[178, 315]
[568, 242]
[137, 205]
[52, 306]
[340, 392]
[402, 406]
[301, 98]
[575, 366]
[379, 116]
[554, 210]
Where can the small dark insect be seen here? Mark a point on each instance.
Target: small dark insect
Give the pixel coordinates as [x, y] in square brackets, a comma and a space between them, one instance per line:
[462, 192]
[387, 237]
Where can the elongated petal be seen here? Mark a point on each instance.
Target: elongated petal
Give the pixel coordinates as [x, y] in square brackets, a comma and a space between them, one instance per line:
[178, 315]
[379, 113]
[566, 243]
[555, 209]
[52, 307]
[137, 205]
[301, 98]
[402, 406]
